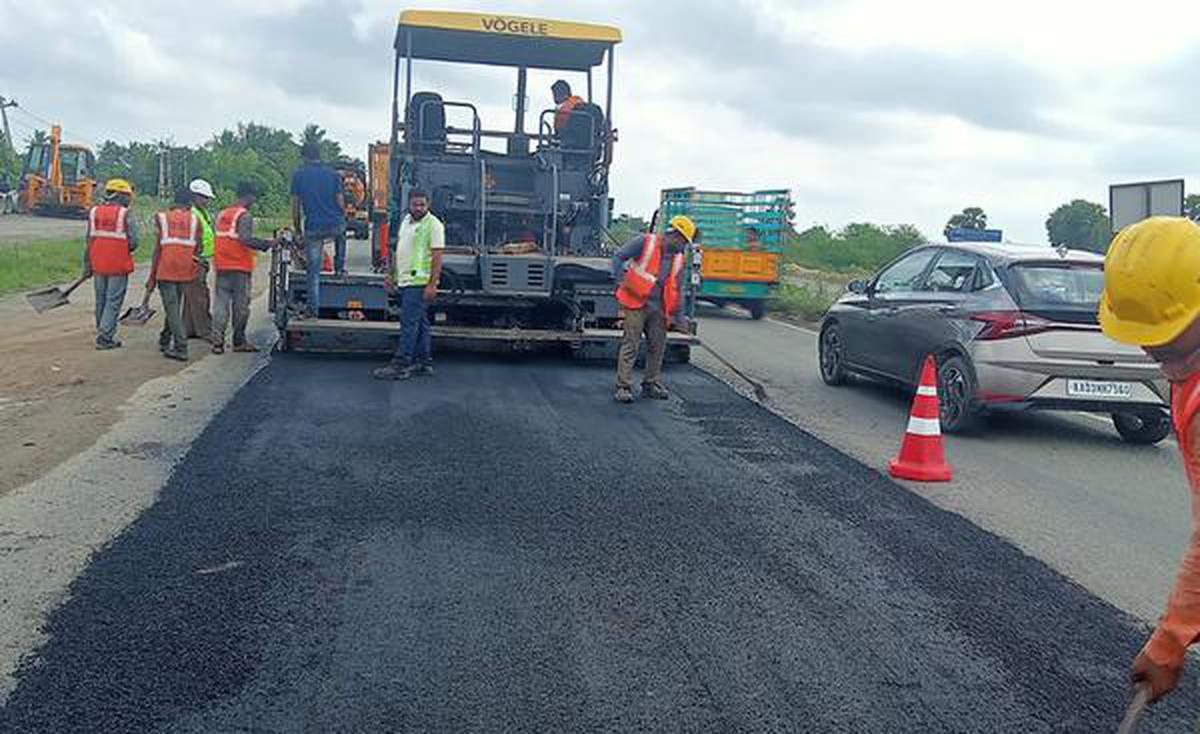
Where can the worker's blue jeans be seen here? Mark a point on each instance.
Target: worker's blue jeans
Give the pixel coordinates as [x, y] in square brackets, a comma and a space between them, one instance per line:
[416, 338]
[110, 296]
[314, 255]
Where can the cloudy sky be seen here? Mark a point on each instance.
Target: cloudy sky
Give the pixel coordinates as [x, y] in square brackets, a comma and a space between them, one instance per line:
[869, 110]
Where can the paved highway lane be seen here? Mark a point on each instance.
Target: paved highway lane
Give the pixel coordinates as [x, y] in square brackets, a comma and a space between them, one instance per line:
[1064, 487]
[506, 549]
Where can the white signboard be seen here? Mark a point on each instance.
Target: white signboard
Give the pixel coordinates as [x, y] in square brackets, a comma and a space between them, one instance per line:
[1131, 203]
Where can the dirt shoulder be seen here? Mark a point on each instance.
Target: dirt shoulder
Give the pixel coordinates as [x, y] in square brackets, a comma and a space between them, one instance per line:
[58, 395]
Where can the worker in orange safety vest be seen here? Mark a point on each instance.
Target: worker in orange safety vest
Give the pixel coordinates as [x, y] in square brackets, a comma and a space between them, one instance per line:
[648, 270]
[1152, 299]
[175, 265]
[234, 258]
[564, 102]
[111, 239]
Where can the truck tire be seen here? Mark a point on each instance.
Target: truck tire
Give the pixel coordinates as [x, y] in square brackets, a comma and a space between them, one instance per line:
[758, 309]
[1144, 427]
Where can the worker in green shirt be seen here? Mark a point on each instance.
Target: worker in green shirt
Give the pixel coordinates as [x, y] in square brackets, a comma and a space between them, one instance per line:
[197, 313]
[414, 268]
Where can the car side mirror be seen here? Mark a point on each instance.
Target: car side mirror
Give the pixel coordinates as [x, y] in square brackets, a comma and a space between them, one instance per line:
[858, 286]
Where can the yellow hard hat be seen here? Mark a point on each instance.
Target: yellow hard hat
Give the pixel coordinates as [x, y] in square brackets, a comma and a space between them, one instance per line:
[118, 186]
[684, 226]
[1152, 281]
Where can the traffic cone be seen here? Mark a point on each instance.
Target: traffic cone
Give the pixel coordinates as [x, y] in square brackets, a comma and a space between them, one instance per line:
[921, 458]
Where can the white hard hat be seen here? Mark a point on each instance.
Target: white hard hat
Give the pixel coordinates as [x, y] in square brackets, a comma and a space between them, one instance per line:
[201, 187]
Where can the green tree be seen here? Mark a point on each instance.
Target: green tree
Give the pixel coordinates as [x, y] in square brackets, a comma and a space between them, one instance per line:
[972, 217]
[626, 227]
[330, 150]
[1080, 224]
[1191, 207]
[857, 246]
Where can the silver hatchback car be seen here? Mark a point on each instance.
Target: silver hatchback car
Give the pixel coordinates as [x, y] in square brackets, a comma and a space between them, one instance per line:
[1012, 327]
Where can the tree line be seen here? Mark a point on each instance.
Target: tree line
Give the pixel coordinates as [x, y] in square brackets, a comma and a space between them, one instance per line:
[262, 154]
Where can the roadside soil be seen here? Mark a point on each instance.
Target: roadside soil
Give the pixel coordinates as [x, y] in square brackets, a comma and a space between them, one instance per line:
[21, 229]
[58, 394]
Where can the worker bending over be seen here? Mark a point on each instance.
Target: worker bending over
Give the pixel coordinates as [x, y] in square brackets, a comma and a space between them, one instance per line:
[1152, 299]
[234, 256]
[648, 270]
[414, 269]
[108, 257]
[174, 266]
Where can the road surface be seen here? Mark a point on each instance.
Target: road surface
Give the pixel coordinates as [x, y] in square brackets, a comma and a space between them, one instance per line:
[1063, 487]
[506, 549]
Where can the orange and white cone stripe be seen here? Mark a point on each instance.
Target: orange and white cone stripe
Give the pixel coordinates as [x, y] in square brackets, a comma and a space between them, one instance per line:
[921, 455]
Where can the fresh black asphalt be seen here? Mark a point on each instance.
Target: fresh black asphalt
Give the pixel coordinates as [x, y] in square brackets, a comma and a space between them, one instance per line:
[503, 548]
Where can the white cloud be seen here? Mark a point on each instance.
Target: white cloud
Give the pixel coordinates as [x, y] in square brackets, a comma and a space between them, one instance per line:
[868, 109]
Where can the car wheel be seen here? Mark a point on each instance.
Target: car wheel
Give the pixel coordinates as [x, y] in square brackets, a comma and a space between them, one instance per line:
[1143, 427]
[831, 356]
[956, 394]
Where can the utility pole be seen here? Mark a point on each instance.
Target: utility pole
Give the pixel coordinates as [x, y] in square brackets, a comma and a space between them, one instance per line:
[4, 105]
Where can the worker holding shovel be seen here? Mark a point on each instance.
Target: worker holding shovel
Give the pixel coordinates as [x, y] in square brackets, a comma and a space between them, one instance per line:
[1152, 299]
[108, 257]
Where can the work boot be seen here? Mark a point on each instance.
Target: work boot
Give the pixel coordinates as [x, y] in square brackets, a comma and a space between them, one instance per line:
[245, 348]
[425, 369]
[395, 372]
[175, 354]
[218, 349]
[104, 344]
[623, 395]
[655, 391]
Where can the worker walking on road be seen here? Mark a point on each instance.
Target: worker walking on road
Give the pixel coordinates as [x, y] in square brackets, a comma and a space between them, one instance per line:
[197, 307]
[233, 257]
[174, 266]
[648, 270]
[414, 269]
[318, 216]
[108, 257]
[1152, 299]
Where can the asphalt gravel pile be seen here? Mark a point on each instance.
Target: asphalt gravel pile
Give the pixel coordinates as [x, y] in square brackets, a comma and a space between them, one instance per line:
[502, 548]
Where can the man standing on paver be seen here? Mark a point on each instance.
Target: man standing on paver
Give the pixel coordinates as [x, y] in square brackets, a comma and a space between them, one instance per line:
[318, 216]
[175, 264]
[1152, 299]
[234, 256]
[414, 268]
[108, 257]
[648, 270]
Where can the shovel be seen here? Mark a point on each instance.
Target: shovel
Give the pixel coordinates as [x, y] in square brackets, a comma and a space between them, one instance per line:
[49, 298]
[139, 315]
[1137, 706]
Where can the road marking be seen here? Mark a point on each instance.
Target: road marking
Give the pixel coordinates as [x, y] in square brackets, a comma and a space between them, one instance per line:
[796, 327]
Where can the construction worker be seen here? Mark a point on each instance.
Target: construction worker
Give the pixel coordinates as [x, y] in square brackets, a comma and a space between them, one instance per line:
[233, 258]
[564, 102]
[173, 268]
[111, 238]
[648, 271]
[318, 216]
[197, 311]
[1152, 299]
[414, 268]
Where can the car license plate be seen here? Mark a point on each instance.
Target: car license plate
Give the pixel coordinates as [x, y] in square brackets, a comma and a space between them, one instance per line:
[1095, 389]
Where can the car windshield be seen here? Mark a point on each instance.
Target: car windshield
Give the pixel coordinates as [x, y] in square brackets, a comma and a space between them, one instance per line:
[1067, 291]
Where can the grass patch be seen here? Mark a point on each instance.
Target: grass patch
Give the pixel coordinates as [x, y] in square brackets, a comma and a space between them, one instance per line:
[38, 264]
[803, 302]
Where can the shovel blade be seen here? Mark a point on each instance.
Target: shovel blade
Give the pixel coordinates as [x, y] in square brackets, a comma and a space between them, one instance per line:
[137, 316]
[46, 299]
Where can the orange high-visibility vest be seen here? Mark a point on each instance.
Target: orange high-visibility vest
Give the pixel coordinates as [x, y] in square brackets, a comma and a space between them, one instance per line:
[108, 241]
[178, 244]
[229, 253]
[564, 111]
[641, 276]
